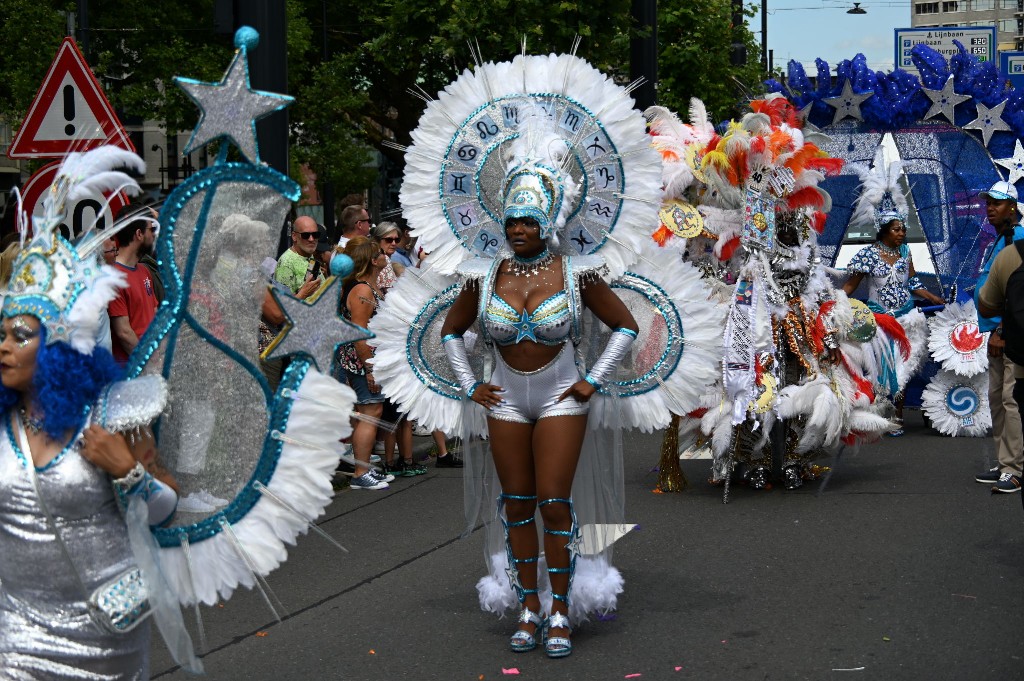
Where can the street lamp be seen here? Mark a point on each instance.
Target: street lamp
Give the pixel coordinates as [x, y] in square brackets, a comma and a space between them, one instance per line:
[856, 9]
[163, 168]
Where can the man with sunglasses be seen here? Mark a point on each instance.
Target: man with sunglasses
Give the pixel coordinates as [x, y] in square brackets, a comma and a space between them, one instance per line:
[293, 267]
[135, 305]
[355, 221]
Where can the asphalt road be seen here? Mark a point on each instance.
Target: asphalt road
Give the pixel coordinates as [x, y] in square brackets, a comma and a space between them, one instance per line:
[905, 568]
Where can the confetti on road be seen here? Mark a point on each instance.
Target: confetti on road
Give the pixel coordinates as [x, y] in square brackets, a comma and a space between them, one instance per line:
[372, 651]
[261, 634]
[886, 639]
[850, 669]
[607, 617]
[632, 676]
[973, 598]
[510, 672]
[678, 668]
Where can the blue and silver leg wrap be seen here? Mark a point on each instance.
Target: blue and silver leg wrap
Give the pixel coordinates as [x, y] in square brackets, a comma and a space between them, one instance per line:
[512, 571]
[573, 546]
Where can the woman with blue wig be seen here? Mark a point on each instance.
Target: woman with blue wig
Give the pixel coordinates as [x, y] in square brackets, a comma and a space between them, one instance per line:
[76, 458]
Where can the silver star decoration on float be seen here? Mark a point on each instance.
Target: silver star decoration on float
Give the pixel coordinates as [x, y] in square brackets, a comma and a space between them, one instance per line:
[989, 121]
[231, 108]
[314, 329]
[847, 103]
[1014, 164]
[944, 101]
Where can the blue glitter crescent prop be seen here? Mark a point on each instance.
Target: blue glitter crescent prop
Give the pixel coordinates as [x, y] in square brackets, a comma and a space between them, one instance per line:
[253, 471]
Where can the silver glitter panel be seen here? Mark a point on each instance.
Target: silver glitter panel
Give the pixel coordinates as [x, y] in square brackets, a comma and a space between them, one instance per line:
[425, 353]
[213, 434]
[659, 344]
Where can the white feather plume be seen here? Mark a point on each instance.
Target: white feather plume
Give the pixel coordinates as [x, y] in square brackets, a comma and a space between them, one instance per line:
[876, 182]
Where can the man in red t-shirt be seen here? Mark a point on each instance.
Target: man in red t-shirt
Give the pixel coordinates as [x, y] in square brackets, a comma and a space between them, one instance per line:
[135, 306]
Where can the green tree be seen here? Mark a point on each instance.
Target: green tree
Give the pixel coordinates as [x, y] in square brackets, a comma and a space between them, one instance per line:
[696, 39]
[359, 98]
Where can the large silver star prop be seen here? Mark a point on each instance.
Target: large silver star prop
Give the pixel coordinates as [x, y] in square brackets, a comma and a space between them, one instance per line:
[944, 101]
[231, 108]
[314, 329]
[989, 120]
[1014, 164]
[847, 103]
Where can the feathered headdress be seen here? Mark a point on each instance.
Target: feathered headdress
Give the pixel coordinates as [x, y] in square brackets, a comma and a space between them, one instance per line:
[65, 285]
[538, 183]
[881, 200]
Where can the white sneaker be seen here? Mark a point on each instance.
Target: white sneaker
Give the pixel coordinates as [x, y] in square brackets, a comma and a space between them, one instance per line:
[367, 481]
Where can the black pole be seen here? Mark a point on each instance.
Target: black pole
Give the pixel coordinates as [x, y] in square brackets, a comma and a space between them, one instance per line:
[738, 51]
[643, 59]
[764, 34]
[327, 195]
[83, 29]
[268, 70]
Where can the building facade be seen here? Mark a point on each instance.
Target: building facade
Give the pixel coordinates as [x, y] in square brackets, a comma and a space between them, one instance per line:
[1006, 15]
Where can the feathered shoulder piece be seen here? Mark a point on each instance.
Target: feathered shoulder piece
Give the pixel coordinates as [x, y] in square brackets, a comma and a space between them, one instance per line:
[881, 200]
[64, 284]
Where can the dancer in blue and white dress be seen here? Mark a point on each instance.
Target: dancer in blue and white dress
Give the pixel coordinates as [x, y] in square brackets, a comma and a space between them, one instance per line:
[889, 270]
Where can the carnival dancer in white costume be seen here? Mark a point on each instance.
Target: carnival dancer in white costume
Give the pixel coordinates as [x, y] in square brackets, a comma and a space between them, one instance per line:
[553, 192]
[889, 269]
[73, 602]
[747, 208]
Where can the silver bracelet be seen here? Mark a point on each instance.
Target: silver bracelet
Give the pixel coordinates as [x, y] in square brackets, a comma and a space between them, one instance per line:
[132, 478]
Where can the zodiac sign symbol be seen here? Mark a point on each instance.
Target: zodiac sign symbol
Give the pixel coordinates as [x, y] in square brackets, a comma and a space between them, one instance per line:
[467, 152]
[597, 208]
[581, 240]
[486, 130]
[596, 146]
[465, 218]
[571, 120]
[489, 242]
[605, 174]
[457, 183]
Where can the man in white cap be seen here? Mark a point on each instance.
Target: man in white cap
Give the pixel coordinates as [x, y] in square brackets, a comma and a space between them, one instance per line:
[1001, 210]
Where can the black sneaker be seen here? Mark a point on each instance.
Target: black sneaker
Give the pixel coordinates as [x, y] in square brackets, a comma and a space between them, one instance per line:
[1008, 484]
[411, 468]
[448, 461]
[989, 477]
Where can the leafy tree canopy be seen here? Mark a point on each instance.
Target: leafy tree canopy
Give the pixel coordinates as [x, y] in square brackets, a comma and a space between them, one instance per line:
[357, 97]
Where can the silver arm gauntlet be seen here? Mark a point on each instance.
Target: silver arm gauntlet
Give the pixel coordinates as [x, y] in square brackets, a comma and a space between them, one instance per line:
[618, 345]
[455, 348]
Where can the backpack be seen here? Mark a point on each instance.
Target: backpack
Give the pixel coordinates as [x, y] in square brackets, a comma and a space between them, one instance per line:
[1013, 311]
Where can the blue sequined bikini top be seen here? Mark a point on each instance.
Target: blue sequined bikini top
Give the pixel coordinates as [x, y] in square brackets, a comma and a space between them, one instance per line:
[548, 324]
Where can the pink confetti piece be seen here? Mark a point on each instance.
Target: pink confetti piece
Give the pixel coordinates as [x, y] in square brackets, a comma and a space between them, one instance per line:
[678, 668]
[632, 676]
[510, 672]
[725, 640]
[606, 617]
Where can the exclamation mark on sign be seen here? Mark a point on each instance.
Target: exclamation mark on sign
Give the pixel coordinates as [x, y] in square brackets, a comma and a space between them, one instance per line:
[69, 109]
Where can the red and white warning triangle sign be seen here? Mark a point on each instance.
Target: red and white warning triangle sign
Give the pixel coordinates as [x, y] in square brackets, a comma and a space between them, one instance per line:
[69, 113]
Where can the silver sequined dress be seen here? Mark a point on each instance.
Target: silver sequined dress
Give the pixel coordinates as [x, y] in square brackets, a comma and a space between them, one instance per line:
[45, 631]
